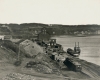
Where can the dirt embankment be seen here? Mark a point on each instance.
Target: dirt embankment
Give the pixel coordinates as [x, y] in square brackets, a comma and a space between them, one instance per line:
[7, 58]
[7, 55]
[44, 68]
[30, 48]
[49, 67]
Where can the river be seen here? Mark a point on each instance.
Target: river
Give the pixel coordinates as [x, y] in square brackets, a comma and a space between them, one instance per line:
[90, 46]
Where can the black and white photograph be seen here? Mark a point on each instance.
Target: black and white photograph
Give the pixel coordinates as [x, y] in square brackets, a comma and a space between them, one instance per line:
[49, 39]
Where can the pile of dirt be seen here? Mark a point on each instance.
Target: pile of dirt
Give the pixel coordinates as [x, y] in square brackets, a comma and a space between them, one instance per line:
[19, 76]
[44, 64]
[30, 48]
[7, 54]
[42, 68]
[42, 57]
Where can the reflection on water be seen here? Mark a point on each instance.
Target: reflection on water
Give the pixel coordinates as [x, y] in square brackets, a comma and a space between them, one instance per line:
[90, 46]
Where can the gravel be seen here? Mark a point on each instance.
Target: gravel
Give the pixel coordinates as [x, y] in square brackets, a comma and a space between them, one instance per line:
[43, 69]
[18, 76]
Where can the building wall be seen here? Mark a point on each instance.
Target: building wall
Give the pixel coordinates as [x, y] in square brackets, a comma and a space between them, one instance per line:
[44, 35]
[2, 37]
[7, 37]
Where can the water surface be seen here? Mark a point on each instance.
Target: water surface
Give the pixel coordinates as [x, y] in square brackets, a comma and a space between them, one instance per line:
[90, 46]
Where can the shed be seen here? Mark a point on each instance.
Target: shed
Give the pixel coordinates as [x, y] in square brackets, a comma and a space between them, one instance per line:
[2, 37]
[7, 37]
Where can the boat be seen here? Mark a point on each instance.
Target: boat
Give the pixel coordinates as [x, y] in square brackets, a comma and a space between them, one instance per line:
[72, 52]
[75, 52]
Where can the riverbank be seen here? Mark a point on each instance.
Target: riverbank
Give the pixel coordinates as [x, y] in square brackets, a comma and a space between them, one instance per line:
[89, 70]
[90, 46]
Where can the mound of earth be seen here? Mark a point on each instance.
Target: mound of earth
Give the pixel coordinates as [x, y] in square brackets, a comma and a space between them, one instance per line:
[42, 68]
[18, 76]
[7, 55]
[30, 48]
[42, 57]
[44, 64]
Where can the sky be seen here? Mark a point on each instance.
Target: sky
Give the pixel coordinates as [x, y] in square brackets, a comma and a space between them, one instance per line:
[67, 12]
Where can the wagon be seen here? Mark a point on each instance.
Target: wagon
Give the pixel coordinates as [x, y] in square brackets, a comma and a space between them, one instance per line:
[73, 65]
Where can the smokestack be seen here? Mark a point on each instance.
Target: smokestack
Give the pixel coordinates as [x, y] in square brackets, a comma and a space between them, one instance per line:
[78, 44]
[75, 44]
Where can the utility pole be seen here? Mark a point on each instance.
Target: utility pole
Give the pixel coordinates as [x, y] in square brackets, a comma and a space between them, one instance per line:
[78, 44]
[18, 52]
[75, 44]
[18, 62]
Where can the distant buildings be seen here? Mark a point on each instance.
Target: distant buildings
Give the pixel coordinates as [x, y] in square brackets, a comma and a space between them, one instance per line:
[5, 37]
[88, 32]
[2, 37]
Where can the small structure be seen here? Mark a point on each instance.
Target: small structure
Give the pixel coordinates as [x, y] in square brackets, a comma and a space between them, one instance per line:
[53, 56]
[2, 37]
[7, 37]
[52, 42]
[59, 56]
[54, 46]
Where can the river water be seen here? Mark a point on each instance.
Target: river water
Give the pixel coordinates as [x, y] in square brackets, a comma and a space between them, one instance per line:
[90, 46]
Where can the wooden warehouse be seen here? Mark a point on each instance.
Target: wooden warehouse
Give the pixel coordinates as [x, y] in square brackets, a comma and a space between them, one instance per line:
[43, 35]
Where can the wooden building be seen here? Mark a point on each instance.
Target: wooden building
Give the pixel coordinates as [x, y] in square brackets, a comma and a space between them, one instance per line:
[7, 37]
[43, 35]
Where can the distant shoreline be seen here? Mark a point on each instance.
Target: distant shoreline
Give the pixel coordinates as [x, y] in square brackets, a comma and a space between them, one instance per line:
[74, 35]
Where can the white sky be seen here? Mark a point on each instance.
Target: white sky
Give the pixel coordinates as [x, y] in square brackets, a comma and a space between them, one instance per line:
[50, 11]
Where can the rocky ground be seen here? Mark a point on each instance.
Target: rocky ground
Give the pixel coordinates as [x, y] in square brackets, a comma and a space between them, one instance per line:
[43, 69]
